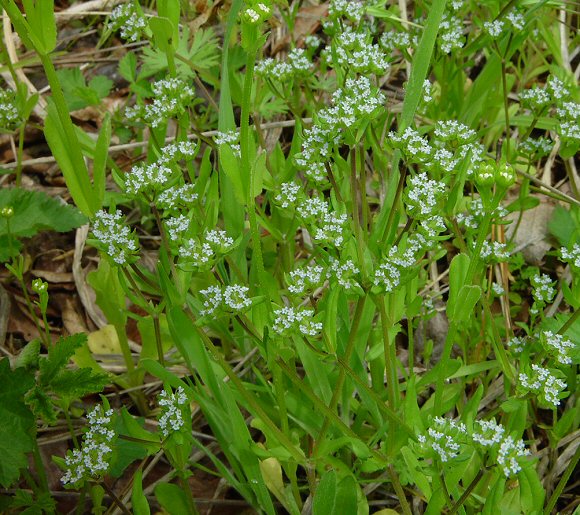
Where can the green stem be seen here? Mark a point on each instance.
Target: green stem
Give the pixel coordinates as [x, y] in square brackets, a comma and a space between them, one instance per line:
[342, 374]
[400, 186]
[355, 207]
[158, 341]
[390, 356]
[248, 397]
[447, 346]
[74, 147]
[563, 481]
[467, 493]
[19, 155]
[569, 322]
[399, 490]
[505, 103]
[248, 169]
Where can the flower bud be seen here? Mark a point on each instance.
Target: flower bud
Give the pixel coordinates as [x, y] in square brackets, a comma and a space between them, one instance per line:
[7, 212]
[485, 176]
[505, 175]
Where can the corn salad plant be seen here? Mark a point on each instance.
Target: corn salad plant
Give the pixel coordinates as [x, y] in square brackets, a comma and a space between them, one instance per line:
[340, 315]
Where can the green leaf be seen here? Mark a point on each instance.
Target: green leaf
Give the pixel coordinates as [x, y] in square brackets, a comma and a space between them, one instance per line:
[467, 299]
[76, 177]
[35, 211]
[457, 274]
[18, 423]
[202, 54]
[172, 498]
[138, 499]
[100, 160]
[77, 93]
[128, 67]
[29, 355]
[324, 501]
[59, 355]
[563, 226]
[128, 449]
[70, 384]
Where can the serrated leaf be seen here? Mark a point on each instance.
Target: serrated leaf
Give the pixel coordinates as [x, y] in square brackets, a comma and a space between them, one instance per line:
[18, 424]
[76, 383]
[41, 405]
[128, 67]
[59, 355]
[35, 211]
[29, 355]
[202, 54]
[78, 93]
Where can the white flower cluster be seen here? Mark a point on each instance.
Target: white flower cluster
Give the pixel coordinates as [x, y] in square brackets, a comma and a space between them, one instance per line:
[145, 177]
[175, 152]
[231, 138]
[357, 100]
[543, 291]
[305, 278]
[517, 344]
[257, 13]
[558, 344]
[297, 64]
[488, 433]
[289, 319]
[288, 194]
[115, 236]
[494, 28]
[415, 146]
[171, 98]
[356, 52]
[171, 416]
[535, 98]
[312, 41]
[177, 196]
[448, 436]
[387, 276]
[450, 33]
[327, 226]
[516, 19]
[177, 226]
[536, 147]
[8, 111]
[476, 212]
[201, 253]
[445, 438]
[427, 91]
[571, 255]
[232, 298]
[509, 453]
[557, 88]
[128, 20]
[153, 178]
[544, 384]
[494, 251]
[316, 150]
[351, 9]
[452, 130]
[497, 288]
[342, 272]
[422, 195]
[92, 459]
[398, 39]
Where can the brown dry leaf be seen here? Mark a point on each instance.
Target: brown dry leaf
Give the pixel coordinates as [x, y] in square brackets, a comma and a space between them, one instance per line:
[307, 22]
[72, 319]
[53, 277]
[532, 236]
[104, 341]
